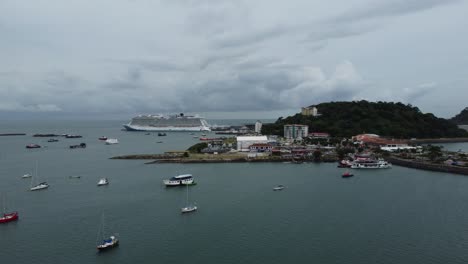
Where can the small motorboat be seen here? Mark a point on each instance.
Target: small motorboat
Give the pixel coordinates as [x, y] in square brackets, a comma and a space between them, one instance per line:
[159, 142]
[103, 181]
[278, 188]
[112, 141]
[52, 140]
[103, 138]
[347, 175]
[75, 177]
[32, 146]
[161, 134]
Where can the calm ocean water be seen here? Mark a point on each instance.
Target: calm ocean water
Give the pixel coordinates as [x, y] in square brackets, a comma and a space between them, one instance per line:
[392, 216]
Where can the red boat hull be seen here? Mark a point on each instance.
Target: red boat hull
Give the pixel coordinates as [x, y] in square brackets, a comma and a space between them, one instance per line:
[9, 217]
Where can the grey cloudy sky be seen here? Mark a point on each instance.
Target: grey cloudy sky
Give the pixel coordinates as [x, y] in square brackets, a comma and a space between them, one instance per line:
[235, 58]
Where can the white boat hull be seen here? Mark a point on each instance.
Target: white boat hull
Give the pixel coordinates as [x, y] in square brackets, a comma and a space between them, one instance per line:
[168, 128]
[189, 209]
[177, 183]
[39, 187]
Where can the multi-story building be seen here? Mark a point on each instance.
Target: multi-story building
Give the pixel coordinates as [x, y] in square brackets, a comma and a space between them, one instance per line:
[296, 131]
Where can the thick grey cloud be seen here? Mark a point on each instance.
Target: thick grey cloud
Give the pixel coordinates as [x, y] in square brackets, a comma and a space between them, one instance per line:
[127, 57]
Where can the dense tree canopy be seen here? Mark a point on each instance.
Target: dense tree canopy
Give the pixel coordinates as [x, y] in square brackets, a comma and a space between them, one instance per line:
[461, 118]
[388, 119]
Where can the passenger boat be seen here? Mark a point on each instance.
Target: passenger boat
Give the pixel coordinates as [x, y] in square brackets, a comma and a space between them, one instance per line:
[180, 180]
[178, 122]
[278, 188]
[370, 164]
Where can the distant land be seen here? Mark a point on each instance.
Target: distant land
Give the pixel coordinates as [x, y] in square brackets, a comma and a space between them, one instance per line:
[461, 118]
[387, 119]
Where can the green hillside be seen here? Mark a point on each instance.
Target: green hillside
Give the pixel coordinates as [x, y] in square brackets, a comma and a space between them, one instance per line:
[345, 119]
[461, 118]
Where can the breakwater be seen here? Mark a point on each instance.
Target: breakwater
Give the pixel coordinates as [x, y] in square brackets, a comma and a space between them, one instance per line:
[428, 166]
[437, 140]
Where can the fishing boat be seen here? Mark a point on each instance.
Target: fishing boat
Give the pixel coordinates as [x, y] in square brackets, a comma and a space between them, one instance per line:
[7, 217]
[40, 186]
[103, 181]
[278, 188]
[190, 207]
[347, 175]
[106, 242]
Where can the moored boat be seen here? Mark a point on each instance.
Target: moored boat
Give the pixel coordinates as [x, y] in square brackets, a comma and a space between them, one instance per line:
[179, 180]
[102, 182]
[7, 217]
[111, 141]
[370, 164]
[190, 207]
[106, 243]
[278, 188]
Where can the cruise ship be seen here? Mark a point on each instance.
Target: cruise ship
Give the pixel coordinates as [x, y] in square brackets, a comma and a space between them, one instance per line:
[179, 122]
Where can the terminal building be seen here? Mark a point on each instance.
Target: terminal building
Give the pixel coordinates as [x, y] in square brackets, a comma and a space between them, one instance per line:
[244, 142]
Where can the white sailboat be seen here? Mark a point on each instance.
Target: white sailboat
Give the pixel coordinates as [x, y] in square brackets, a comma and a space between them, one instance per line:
[190, 207]
[103, 181]
[105, 242]
[40, 186]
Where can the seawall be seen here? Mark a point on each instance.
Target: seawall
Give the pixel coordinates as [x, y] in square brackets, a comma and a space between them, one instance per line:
[428, 166]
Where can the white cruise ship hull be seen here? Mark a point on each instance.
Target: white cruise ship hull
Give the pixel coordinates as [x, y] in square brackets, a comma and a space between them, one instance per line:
[165, 129]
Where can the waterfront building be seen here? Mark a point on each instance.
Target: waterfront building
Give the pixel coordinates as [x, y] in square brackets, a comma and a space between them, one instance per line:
[296, 131]
[244, 142]
[260, 147]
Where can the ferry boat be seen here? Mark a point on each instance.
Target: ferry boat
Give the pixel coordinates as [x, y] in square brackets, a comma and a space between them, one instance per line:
[179, 180]
[371, 164]
[179, 122]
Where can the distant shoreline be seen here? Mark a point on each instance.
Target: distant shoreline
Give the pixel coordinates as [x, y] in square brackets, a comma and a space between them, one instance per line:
[12, 134]
[437, 140]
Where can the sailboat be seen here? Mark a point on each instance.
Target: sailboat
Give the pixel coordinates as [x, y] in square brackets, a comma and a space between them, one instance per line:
[40, 186]
[7, 217]
[190, 207]
[106, 242]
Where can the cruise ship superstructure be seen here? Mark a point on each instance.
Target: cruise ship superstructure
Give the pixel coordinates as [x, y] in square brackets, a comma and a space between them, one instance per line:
[179, 122]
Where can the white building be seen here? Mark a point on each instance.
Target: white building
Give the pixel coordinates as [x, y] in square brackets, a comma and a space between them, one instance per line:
[310, 111]
[244, 142]
[258, 127]
[296, 131]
